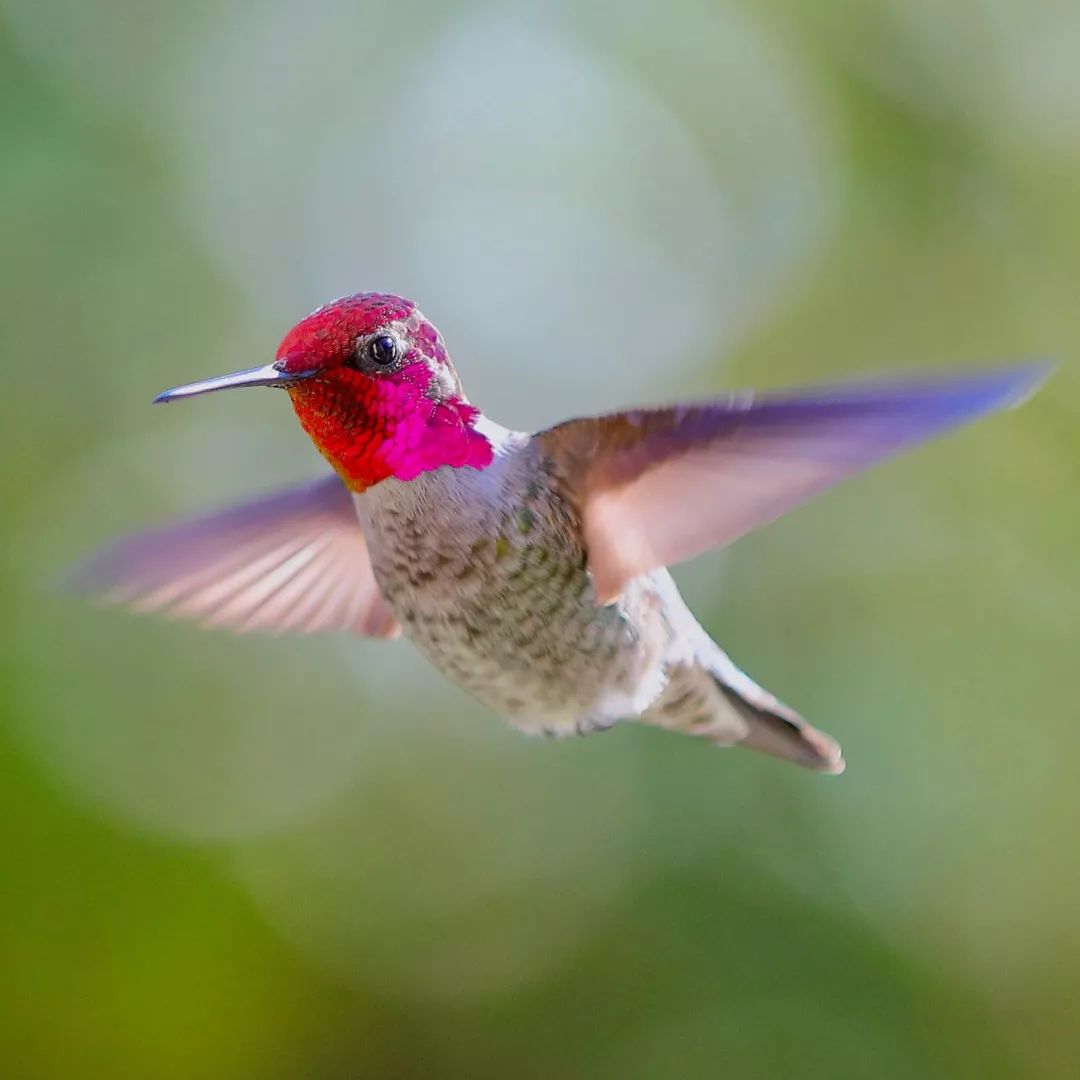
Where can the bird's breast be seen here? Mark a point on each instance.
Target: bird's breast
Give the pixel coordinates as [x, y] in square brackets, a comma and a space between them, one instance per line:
[487, 575]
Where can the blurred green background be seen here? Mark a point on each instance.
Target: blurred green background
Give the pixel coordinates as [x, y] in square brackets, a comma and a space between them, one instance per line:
[262, 858]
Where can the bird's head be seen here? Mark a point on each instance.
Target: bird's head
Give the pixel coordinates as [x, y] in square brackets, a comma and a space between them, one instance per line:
[372, 384]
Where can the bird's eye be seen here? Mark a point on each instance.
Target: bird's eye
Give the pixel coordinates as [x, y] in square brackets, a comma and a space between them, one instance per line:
[383, 350]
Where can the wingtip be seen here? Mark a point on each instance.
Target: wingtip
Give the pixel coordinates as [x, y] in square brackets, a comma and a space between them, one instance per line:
[963, 397]
[1024, 380]
[75, 580]
[97, 576]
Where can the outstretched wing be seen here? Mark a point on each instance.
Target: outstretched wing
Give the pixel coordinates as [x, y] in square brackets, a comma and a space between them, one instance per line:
[295, 560]
[657, 486]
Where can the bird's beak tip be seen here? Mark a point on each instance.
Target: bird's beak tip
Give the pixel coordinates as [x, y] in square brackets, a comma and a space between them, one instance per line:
[268, 375]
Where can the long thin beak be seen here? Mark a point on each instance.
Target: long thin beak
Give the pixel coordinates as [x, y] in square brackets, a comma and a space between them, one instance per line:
[270, 375]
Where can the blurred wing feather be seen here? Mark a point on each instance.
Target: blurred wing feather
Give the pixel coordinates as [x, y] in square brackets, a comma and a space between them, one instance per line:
[657, 486]
[295, 560]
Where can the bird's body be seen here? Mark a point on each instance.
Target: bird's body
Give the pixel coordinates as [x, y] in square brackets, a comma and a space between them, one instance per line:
[529, 569]
[486, 572]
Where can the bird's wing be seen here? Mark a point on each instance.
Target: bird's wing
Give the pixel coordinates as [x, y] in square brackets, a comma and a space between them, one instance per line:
[657, 486]
[295, 560]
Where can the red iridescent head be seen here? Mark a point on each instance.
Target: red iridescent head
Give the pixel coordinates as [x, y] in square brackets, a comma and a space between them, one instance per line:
[372, 384]
[377, 392]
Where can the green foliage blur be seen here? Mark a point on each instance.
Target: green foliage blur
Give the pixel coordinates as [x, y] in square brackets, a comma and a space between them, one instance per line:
[254, 858]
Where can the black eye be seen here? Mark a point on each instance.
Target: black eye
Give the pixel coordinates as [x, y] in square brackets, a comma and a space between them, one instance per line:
[383, 350]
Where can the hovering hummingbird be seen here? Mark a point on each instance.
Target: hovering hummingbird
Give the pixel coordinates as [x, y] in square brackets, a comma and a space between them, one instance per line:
[529, 569]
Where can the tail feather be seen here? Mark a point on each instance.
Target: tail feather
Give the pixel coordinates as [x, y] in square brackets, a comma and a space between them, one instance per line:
[777, 730]
[712, 699]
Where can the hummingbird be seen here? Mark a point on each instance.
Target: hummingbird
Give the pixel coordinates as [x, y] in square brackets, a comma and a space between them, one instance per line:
[530, 569]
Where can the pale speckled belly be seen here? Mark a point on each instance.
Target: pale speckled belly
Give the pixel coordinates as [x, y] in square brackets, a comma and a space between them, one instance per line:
[498, 599]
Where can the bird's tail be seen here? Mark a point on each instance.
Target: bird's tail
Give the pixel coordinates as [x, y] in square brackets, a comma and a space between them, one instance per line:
[711, 698]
